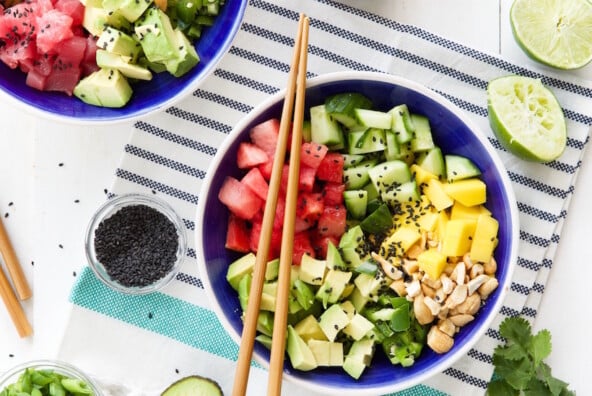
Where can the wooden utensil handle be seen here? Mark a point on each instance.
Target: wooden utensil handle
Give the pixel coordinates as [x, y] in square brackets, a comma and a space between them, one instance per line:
[12, 264]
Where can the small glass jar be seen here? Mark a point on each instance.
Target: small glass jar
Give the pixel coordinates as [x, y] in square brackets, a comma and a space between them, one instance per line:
[110, 208]
[56, 366]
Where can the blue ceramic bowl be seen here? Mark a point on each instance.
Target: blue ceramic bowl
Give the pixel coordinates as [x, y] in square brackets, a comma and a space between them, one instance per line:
[455, 134]
[162, 91]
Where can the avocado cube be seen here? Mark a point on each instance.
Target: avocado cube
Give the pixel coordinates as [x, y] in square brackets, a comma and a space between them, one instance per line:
[156, 35]
[332, 321]
[312, 271]
[301, 357]
[327, 353]
[358, 327]
[186, 59]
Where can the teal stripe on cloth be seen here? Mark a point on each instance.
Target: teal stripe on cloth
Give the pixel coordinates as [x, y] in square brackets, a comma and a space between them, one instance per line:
[156, 312]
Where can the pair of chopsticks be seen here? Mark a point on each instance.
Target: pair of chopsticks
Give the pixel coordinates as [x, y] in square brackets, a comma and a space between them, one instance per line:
[296, 86]
[15, 310]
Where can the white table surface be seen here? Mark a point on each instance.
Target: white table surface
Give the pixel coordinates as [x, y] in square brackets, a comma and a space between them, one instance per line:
[54, 175]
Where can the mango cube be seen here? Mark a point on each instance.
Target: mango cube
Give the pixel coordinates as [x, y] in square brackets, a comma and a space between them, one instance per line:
[485, 238]
[432, 262]
[428, 221]
[460, 211]
[435, 192]
[421, 175]
[443, 220]
[457, 240]
[469, 192]
[401, 240]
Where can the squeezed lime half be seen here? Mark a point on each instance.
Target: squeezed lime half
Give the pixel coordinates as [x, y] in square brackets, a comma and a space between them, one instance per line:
[526, 118]
[557, 33]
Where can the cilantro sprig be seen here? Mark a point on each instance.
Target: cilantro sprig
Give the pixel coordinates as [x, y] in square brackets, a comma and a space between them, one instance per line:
[519, 366]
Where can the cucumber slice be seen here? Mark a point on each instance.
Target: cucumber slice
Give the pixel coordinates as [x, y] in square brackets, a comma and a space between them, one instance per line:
[306, 131]
[369, 141]
[341, 107]
[387, 174]
[459, 167]
[351, 160]
[422, 139]
[402, 124]
[406, 192]
[356, 202]
[324, 130]
[378, 221]
[373, 118]
[357, 177]
[433, 162]
[193, 385]
[392, 150]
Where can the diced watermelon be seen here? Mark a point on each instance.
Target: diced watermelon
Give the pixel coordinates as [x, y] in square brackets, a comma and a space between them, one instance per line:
[280, 210]
[302, 245]
[333, 193]
[14, 53]
[311, 154]
[306, 178]
[332, 221]
[255, 181]
[309, 207]
[320, 244]
[250, 155]
[275, 242]
[265, 135]
[53, 27]
[239, 198]
[89, 61]
[266, 170]
[331, 168]
[238, 235]
[74, 8]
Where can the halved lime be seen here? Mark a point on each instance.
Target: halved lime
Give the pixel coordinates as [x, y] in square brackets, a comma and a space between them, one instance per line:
[557, 33]
[526, 118]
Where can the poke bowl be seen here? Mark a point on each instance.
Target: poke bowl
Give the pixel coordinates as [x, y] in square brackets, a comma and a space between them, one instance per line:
[147, 96]
[454, 134]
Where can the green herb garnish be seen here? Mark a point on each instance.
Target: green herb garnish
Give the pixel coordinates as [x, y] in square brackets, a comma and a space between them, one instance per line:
[44, 382]
[519, 366]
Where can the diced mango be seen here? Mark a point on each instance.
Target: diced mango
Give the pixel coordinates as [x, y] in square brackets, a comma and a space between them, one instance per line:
[432, 262]
[443, 220]
[457, 240]
[469, 192]
[428, 221]
[485, 239]
[421, 175]
[400, 241]
[460, 211]
[438, 197]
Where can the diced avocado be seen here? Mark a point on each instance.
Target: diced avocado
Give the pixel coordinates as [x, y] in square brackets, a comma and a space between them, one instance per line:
[156, 35]
[130, 9]
[351, 256]
[358, 301]
[186, 59]
[265, 323]
[299, 353]
[332, 287]
[243, 289]
[356, 202]
[104, 87]
[268, 296]
[239, 267]
[96, 19]
[324, 129]
[333, 320]
[266, 340]
[309, 328]
[327, 353]
[312, 271]
[370, 285]
[334, 259]
[359, 357]
[193, 385]
[348, 308]
[119, 42]
[110, 60]
[302, 293]
[272, 269]
[358, 327]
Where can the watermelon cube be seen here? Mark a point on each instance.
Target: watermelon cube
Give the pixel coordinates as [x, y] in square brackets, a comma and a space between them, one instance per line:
[332, 221]
[333, 193]
[265, 135]
[302, 245]
[250, 155]
[255, 181]
[309, 207]
[331, 168]
[238, 235]
[239, 198]
[311, 154]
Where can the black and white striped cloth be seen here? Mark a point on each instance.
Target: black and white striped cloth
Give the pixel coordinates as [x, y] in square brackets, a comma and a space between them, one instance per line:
[169, 152]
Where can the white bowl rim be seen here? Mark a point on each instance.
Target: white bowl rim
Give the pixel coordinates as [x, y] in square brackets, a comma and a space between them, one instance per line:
[513, 254]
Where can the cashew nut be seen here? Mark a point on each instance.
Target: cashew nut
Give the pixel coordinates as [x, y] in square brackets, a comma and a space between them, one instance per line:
[413, 288]
[476, 283]
[490, 267]
[399, 287]
[488, 287]
[389, 270]
[423, 314]
[439, 341]
[447, 284]
[461, 319]
[410, 266]
[476, 270]
[458, 295]
[432, 305]
[459, 273]
[447, 327]
[470, 306]
[467, 260]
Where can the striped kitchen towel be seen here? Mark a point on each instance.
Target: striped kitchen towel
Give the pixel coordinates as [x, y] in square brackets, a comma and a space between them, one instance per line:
[145, 342]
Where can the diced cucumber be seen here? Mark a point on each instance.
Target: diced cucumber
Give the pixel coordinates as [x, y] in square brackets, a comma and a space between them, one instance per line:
[373, 118]
[341, 107]
[357, 177]
[356, 202]
[422, 138]
[406, 192]
[433, 162]
[351, 160]
[459, 167]
[306, 131]
[386, 174]
[368, 141]
[392, 150]
[324, 130]
[402, 125]
[372, 191]
[378, 222]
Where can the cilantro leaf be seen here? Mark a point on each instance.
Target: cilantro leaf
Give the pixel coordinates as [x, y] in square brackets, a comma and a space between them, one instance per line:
[519, 366]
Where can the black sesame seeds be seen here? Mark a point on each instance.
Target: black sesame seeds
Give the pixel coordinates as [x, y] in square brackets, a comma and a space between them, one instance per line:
[137, 245]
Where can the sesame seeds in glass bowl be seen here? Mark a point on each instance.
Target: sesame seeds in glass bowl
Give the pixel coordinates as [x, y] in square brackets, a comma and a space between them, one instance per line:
[135, 243]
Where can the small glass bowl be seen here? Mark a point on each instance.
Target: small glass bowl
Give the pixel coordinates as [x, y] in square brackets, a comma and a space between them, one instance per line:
[111, 207]
[12, 375]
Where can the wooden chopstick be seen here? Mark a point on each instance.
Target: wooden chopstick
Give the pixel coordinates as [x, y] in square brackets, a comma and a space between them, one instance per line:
[12, 264]
[278, 345]
[15, 310]
[250, 321]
